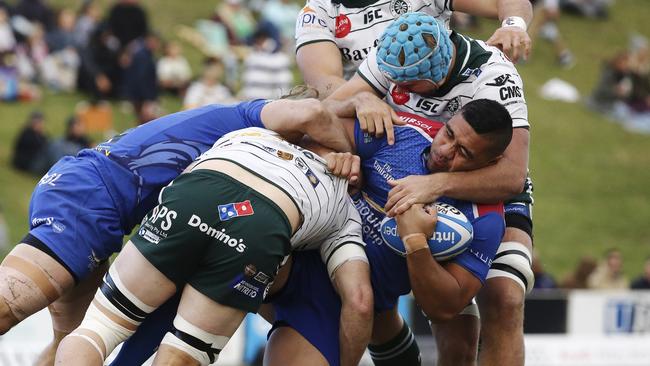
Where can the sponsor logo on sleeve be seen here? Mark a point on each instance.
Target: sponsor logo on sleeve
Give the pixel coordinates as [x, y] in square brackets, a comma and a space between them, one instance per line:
[343, 26]
[309, 19]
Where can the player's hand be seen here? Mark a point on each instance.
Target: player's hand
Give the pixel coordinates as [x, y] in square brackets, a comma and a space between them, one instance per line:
[513, 41]
[416, 220]
[376, 117]
[411, 190]
[344, 165]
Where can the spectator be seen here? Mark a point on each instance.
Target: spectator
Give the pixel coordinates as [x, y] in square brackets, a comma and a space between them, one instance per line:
[30, 146]
[283, 14]
[643, 281]
[588, 8]
[127, 20]
[578, 278]
[209, 88]
[7, 39]
[609, 274]
[614, 86]
[543, 280]
[140, 84]
[62, 36]
[547, 12]
[237, 19]
[59, 69]
[87, 21]
[36, 11]
[100, 72]
[73, 140]
[266, 74]
[31, 54]
[173, 70]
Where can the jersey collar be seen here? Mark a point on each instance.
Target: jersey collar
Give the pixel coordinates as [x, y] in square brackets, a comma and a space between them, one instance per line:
[350, 4]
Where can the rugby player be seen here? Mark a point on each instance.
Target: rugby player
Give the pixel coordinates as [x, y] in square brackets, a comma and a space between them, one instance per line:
[419, 68]
[305, 328]
[219, 234]
[333, 37]
[81, 209]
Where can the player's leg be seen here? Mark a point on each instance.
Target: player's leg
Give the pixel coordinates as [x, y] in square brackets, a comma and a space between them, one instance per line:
[352, 282]
[289, 348]
[502, 301]
[392, 341]
[307, 311]
[30, 279]
[509, 279]
[68, 311]
[131, 289]
[202, 328]
[457, 339]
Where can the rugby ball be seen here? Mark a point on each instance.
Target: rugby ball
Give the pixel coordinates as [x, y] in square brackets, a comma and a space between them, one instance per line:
[453, 233]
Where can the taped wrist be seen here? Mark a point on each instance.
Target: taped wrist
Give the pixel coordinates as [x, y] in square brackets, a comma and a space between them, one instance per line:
[518, 22]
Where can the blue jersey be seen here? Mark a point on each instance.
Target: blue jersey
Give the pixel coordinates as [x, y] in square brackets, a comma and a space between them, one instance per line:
[381, 162]
[157, 152]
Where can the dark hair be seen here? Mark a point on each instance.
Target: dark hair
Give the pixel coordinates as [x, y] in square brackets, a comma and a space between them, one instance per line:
[488, 117]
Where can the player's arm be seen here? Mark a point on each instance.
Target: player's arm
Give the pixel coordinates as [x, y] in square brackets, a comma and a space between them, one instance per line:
[321, 67]
[492, 184]
[515, 16]
[430, 281]
[295, 118]
[363, 100]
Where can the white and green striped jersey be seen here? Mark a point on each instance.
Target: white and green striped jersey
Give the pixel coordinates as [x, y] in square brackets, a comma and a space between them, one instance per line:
[329, 220]
[479, 71]
[355, 26]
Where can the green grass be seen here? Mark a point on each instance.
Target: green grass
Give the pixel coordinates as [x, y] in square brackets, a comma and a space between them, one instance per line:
[592, 179]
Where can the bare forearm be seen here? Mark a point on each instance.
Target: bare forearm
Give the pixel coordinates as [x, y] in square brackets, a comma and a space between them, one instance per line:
[516, 8]
[492, 184]
[436, 290]
[354, 335]
[325, 84]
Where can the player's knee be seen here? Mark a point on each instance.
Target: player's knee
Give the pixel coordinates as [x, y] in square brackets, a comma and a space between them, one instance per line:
[114, 314]
[502, 305]
[200, 345]
[360, 301]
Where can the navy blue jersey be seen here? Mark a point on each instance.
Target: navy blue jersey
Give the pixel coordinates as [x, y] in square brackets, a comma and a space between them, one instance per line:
[381, 162]
[158, 151]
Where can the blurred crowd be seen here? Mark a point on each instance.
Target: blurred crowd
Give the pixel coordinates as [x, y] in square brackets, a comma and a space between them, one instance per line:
[606, 274]
[110, 55]
[116, 54]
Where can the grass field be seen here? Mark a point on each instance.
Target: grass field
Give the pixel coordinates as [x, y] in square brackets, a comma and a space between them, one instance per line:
[592, 179]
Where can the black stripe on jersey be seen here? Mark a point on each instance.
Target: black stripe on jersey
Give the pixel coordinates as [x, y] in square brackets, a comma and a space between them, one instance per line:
[351, 5]
[314, 41]
[371, 84]
[372, 25]
[329, 257]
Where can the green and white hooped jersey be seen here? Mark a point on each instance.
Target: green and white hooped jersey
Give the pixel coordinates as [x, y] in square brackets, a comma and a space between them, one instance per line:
[329, 219]
[479, 71]
[355, 26]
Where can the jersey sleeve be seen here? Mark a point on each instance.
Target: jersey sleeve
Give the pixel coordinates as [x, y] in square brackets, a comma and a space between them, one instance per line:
[504, 85]
[346, 243]
[251, 112]
[366, 144]
[313, 24]
[369, 71]
[488, 232]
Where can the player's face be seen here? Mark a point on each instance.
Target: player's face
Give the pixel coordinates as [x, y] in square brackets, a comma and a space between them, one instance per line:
[457, 147]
